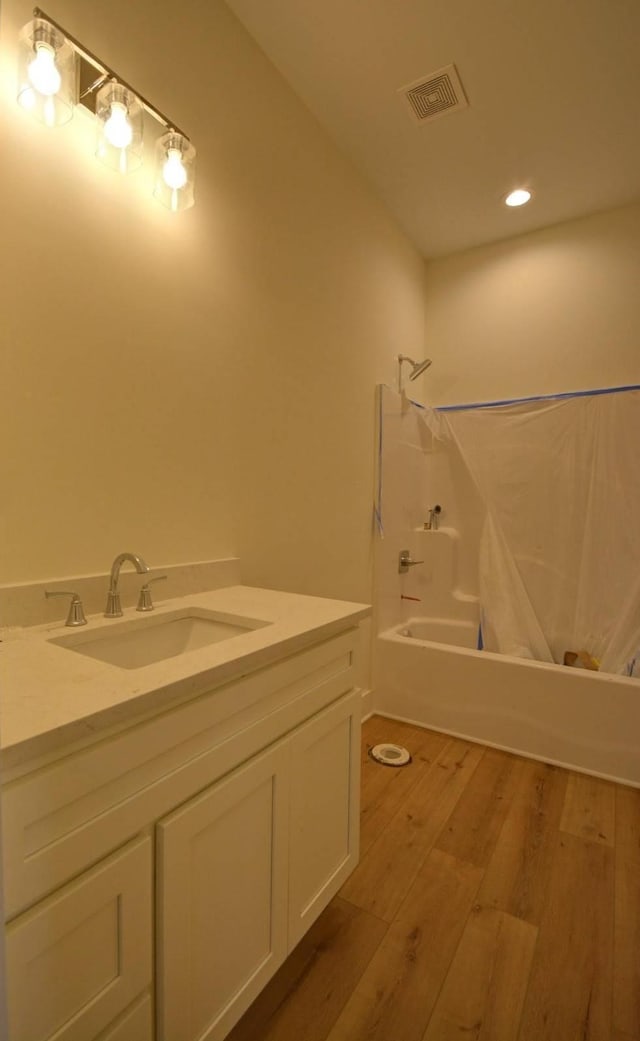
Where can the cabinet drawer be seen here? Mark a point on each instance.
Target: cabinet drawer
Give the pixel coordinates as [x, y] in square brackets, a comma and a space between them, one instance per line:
[77, 960]
[60, 819]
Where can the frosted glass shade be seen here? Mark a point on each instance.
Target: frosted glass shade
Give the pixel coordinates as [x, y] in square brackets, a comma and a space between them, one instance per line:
[120, 128]
[175, 171]
[47, 73]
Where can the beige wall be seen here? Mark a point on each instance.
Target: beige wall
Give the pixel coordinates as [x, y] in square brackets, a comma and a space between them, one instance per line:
[196, 385]
[556, 310]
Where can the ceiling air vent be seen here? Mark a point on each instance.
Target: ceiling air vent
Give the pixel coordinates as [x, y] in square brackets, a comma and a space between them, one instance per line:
[435, 95]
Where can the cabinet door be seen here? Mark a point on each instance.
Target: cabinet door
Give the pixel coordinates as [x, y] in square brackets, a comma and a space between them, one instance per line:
[222, 899]
[135, 1025]
[325, 802]
[79, 958]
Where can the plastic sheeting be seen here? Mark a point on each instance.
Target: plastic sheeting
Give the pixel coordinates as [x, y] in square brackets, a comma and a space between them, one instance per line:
[560, 551]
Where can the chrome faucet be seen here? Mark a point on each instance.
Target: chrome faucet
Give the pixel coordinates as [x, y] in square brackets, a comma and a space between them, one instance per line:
[114, 607]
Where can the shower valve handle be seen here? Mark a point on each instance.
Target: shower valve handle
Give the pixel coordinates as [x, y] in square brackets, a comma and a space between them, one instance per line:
[405, 561]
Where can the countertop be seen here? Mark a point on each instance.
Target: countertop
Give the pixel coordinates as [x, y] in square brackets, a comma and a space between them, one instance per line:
[51, 697]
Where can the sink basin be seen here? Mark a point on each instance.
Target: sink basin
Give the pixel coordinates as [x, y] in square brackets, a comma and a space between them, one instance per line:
[132, 645]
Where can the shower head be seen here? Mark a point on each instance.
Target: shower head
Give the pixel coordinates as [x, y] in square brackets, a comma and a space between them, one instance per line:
[417, 368]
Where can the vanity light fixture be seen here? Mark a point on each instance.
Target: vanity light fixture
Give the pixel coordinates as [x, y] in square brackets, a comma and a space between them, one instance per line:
[518, 197]
[57, 72]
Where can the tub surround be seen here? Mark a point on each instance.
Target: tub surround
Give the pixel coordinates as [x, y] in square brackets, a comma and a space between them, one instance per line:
[53, 697]
[416, 472]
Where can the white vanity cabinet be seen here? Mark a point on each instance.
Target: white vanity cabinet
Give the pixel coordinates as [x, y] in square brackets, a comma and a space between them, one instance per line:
[210, 835]
[81, 956]
[246, 867]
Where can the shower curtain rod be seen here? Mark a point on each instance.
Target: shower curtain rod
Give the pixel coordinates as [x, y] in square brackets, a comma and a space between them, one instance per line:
[537, 397]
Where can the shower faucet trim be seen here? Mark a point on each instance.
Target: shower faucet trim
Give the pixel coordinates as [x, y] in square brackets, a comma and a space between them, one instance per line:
[405, 561]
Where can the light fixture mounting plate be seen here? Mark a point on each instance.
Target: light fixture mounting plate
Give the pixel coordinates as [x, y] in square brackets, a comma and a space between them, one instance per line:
[90, 79]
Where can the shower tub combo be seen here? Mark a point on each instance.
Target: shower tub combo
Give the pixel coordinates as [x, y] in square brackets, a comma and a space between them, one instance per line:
[428, 668]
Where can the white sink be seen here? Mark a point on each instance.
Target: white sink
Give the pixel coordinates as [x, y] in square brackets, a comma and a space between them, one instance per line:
[132, 645]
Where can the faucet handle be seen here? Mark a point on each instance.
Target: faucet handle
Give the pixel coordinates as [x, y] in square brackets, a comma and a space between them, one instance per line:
[405, 561]
[76, 612]
[145, 602]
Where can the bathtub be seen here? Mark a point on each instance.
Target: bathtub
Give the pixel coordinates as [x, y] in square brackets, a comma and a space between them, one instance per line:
[441, 630]
[583, 720]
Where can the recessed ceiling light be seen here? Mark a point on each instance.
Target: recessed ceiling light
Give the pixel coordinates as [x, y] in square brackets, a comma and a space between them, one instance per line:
[518, 197]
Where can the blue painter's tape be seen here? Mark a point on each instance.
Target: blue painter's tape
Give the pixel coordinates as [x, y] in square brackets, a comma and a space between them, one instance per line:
[539, 397]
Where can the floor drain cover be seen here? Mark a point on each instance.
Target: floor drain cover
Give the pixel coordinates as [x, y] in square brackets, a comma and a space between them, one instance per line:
[390, 755]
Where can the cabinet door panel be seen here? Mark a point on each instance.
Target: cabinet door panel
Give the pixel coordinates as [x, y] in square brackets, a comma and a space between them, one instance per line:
[222, 891]
[135, 1025]
[325, 827]
[75, 961]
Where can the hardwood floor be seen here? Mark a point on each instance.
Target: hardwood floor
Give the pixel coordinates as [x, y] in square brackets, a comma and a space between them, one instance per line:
[497, 899]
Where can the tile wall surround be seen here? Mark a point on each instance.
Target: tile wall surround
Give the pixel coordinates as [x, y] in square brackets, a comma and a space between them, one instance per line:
[26, 605]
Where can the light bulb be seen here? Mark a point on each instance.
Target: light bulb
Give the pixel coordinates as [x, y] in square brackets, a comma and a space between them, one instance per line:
[518, 197]
[43, 72]
[173, 171]
[175, 157]
[117, 129]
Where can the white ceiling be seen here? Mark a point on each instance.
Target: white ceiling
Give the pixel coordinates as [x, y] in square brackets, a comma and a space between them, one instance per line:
[554, 103]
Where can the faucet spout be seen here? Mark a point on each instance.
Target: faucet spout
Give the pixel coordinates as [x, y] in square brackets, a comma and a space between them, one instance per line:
[114, 607]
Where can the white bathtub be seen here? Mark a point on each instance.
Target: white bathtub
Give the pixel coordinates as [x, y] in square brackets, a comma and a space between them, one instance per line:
[584, 720]
[441, 630]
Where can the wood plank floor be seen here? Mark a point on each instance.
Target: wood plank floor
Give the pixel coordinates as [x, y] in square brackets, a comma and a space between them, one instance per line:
[496, 899]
